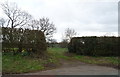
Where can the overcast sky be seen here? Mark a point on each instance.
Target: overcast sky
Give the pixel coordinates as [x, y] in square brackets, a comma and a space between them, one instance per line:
[87, 18]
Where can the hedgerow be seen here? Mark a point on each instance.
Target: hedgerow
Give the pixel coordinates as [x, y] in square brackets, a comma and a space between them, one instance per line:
[18, 40]
[95, 46]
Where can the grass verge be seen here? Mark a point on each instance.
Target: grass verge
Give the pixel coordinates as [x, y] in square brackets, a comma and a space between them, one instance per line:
[16, 64]
[95, 60]
[20, 64]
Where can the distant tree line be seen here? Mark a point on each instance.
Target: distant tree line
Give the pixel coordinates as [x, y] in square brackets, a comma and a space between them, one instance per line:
[95, 46]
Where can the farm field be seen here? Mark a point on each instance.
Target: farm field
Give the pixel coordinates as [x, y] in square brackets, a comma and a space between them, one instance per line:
[16, 64]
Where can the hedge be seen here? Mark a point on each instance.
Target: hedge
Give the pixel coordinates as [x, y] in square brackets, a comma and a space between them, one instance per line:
[95, 46]
[29, 40]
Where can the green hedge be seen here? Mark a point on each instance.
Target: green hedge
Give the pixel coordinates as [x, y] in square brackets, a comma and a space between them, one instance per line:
[23, 39]
[95, 46]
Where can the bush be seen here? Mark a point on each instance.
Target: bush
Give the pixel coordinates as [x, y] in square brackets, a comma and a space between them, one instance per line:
[94, 46]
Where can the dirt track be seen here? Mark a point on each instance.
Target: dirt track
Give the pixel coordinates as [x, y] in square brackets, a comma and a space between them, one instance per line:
[78, 68]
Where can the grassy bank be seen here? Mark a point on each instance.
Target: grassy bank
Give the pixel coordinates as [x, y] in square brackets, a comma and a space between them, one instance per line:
[105, 61]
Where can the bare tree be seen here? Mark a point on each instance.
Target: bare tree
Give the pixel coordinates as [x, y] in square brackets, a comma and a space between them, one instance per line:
[69, 33]
[16, 17]
[46, 27]
[64, 43]
[53, 41]
[2, 22]
[33, 24]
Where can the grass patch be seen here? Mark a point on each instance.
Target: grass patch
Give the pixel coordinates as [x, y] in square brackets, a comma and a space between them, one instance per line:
[108, 61]
[20, 64]
[12, 64]
[58, 53]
